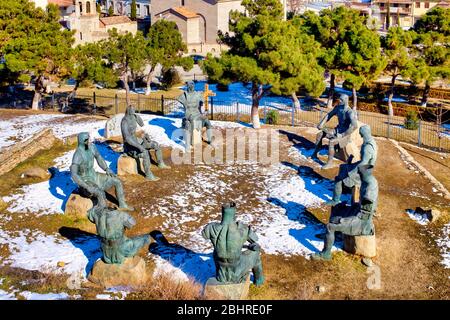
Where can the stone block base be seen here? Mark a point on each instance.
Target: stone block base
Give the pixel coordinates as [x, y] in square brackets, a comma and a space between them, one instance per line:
[132, 272]
[127, 165]
[365, 246]
[196, 137]
[78, 206]
[238, 291]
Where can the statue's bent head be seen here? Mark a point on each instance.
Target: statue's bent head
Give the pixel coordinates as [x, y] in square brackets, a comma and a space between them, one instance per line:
[365, 131]
[83, 139]
[343, 99]
[130, 110]
[190, 86]
[228, 212]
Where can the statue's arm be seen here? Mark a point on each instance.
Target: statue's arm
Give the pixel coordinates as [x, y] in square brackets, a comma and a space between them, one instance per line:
[353, 124]
[325, 119]
[139, 120]
[366, 155]
[76, 177]
[101, 162]
[130, 137]
[205, 232]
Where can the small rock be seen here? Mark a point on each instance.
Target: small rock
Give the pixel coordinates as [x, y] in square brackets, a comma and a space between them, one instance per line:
[61, 264]
[36, 172]
[78, 206]
[320, 289]
[127, 165]
[233, 291]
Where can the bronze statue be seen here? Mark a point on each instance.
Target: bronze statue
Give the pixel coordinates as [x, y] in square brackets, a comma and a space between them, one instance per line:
[356, 220]
[111, 226]
[90, 182]
[138, 148]
[340, 136]
[194, 118]
[348, 174]
[228, 238]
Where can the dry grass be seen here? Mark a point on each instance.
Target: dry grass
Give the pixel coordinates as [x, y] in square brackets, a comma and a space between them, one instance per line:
[165, 287]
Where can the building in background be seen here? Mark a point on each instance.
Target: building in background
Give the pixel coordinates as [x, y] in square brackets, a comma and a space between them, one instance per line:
[199, 21]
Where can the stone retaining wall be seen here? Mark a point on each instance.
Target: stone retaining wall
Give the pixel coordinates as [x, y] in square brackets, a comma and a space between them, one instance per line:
[21, 151]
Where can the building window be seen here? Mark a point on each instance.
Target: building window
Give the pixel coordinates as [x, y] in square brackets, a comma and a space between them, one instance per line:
[81, 36]
[147, 11]
[395, 5]
[138, 10]
[417, 4]
[81, 6]
[427, 5]
[88, 7]
[182, 3]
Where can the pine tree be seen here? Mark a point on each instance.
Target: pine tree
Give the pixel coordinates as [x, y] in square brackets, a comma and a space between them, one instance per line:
[111, 11]
[133, 10]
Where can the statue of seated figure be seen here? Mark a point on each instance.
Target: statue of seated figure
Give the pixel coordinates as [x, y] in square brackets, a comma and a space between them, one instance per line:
[138, 148]
[360, 224]
[194, 119]
[90, 182]
[228, 238]
[338, 137]
[348, 174]
[111, 225]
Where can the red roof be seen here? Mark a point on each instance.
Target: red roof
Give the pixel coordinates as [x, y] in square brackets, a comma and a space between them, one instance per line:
[115, 20]
[61, 3]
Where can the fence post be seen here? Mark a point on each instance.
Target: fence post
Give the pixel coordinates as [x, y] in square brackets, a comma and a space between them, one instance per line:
[212, 108]
[419, 142]
[265, 113]
[53, 102]
[293, 116]
[162, 104]
[94, 96]
[389, 127]
[237, 111]
[139, 103]
[116, 103]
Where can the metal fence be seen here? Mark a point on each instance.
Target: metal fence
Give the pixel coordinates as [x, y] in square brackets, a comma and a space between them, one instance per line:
[427, 134]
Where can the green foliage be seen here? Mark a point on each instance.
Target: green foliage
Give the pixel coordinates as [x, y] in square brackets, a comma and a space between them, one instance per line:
[431, 54]
[133, 10]
[110, 11]
[98, 8]
[351, 50]
[32, 43]
[411, 120]
[170, 78]
[272, 117]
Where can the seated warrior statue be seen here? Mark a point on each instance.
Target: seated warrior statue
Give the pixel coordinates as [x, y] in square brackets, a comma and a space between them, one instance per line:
[111, 225]
[90, 182]
[138, 148]
[194, 118]
[348, 175]
[354, 225]
[228, 238]
[340, 136]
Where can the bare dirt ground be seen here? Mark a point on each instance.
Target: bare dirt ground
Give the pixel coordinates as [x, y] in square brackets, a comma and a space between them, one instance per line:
[408, 258]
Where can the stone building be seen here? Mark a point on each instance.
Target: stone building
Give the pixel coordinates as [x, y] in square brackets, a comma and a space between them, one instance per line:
[198, 20]
[82, 16]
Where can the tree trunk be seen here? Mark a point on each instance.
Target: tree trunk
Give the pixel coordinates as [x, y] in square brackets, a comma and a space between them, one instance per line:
[37, 93]
[331, 92]
[296, 101]
[391, 95]
[127, 89]
[73, 94]
[426, 93]
[149, 81]
[255, 106]
[355, 99]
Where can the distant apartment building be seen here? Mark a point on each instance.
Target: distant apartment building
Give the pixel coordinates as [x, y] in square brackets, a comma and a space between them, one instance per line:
[199, 21]
[123, 7]
[403, 13]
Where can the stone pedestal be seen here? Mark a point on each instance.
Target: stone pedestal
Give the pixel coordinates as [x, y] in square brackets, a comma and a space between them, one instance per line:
[77, 206]
[112, 127]
[238, 291]
[127, 165]
[365, 246]
[132, 272]
[196, 137]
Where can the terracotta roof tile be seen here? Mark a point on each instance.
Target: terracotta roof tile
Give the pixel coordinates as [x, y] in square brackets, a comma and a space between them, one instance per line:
[188, 14]
[107, 21]
[61, 3]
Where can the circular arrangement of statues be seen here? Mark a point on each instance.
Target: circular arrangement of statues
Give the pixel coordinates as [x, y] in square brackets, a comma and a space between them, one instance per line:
[236, 250]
